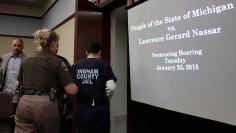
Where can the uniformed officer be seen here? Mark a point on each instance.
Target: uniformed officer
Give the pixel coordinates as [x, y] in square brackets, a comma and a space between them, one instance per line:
[65, 103]
[39, 77]
[96, 81]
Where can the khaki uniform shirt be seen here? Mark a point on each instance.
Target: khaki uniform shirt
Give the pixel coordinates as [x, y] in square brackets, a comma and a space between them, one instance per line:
[43, 71]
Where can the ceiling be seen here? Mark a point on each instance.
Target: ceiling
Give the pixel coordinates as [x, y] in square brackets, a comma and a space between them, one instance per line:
[28, 8]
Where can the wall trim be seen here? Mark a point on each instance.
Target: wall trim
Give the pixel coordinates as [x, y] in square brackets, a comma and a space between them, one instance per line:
[6, 35]
[64, 21]
[23, 16]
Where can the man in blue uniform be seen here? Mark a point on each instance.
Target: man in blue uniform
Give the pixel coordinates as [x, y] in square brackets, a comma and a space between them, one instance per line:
[96, 81]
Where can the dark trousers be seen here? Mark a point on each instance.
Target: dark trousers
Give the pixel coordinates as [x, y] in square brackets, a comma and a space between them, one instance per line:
[37, 114]
[93, 119]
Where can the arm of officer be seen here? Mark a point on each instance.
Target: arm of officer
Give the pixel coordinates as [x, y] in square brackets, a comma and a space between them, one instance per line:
[71, 89]
[67, 79]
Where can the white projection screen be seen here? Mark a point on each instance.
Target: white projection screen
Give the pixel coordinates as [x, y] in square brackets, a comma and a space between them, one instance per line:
[183, 56]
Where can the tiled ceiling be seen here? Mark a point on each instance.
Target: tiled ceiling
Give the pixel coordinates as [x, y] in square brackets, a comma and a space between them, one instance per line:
[31, 8]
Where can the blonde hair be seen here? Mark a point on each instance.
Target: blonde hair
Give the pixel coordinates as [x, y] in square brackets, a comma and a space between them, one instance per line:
[44, 37]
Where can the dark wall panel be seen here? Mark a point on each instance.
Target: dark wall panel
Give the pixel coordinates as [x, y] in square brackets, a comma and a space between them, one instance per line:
[92, 24]
[89, 27]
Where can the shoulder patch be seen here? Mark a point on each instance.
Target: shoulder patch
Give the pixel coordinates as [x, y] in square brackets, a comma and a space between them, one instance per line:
[64, 66]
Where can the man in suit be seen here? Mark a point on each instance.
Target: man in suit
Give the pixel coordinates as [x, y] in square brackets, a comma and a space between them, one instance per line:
[11, 65]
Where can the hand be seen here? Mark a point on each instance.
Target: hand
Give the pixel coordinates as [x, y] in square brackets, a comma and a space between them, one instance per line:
[71, 89]
[110, 87]
[109, 93]
[18, 84]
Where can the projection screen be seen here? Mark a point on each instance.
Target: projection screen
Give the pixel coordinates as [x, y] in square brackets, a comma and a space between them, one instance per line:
[183, 56]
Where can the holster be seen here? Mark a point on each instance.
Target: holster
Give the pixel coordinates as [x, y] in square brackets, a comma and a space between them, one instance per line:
[63, 100]
[63, 104]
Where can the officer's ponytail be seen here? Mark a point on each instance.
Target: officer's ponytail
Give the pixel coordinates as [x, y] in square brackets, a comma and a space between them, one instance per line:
[44, 38]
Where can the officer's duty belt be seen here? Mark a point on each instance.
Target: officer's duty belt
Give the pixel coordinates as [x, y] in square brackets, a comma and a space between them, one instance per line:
[94, 102]
[27, 91]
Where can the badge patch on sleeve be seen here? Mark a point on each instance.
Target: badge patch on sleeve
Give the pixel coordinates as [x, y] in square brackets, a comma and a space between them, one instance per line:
[64, 66]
